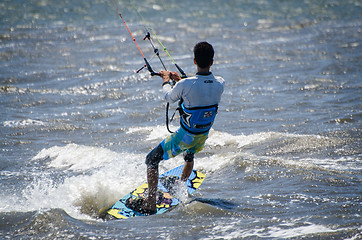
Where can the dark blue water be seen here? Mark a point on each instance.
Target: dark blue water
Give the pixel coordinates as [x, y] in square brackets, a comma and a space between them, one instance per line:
[76, 121]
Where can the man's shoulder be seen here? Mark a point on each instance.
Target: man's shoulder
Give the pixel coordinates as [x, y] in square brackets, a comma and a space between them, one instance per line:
[219, 78]
[186, 81]
[191, 78]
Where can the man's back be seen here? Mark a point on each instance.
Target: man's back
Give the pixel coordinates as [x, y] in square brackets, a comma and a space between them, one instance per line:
[200, 90]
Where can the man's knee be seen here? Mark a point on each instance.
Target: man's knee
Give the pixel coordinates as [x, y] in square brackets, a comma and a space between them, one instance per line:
[189, 157]
[154, 157]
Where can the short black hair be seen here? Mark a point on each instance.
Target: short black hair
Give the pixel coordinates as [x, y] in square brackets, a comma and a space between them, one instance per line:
[204, 54]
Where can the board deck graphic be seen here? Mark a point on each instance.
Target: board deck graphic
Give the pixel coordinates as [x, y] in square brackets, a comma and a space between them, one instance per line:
[167, 186]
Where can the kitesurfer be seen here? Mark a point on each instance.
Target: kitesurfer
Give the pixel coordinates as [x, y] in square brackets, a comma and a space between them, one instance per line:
[199, 96]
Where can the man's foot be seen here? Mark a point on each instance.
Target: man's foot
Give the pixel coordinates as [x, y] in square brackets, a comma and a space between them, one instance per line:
[140, 205]
[149, 205]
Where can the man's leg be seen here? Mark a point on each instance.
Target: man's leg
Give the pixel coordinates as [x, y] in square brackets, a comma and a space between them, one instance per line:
[152, 161]
[152, 179]
[188, 167]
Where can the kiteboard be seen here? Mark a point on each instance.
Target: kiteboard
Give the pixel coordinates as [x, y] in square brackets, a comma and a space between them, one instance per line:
[168, 185]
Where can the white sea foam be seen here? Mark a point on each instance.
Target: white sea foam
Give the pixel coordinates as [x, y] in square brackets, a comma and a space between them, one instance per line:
[22, 123]
[154, 133]
[340, 164]
[236, 145]
[96, 178]
[233, 230]
[102, 177]
[224, 147]
[280, 232]
[76, 157]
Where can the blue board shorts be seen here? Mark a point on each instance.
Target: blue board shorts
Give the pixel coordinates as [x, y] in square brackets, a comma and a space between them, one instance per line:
[181, 141]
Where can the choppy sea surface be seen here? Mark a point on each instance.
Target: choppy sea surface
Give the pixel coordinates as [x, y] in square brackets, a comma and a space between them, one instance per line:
[284, 158]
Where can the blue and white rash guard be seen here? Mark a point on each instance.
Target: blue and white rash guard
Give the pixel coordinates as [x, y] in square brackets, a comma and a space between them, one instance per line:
[201, 95]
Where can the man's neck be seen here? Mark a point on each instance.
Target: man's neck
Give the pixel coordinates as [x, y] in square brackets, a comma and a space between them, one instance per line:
[203, 70]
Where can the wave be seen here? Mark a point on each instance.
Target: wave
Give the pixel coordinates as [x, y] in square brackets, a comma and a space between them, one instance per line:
[83, 179]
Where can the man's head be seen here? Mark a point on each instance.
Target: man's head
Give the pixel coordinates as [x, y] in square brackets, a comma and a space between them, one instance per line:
[204, 54]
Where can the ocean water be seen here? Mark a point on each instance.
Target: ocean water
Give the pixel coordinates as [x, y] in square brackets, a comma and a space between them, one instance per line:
[283, 160]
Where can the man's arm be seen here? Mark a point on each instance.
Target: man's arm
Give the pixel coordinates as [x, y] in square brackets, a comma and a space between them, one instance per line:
[171, 94]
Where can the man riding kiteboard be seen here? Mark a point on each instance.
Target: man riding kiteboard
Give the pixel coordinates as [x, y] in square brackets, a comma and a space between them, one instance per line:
[199, 96]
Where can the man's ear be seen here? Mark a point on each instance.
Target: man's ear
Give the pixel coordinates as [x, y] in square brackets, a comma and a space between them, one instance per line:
[212, 62]
[195, 61]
